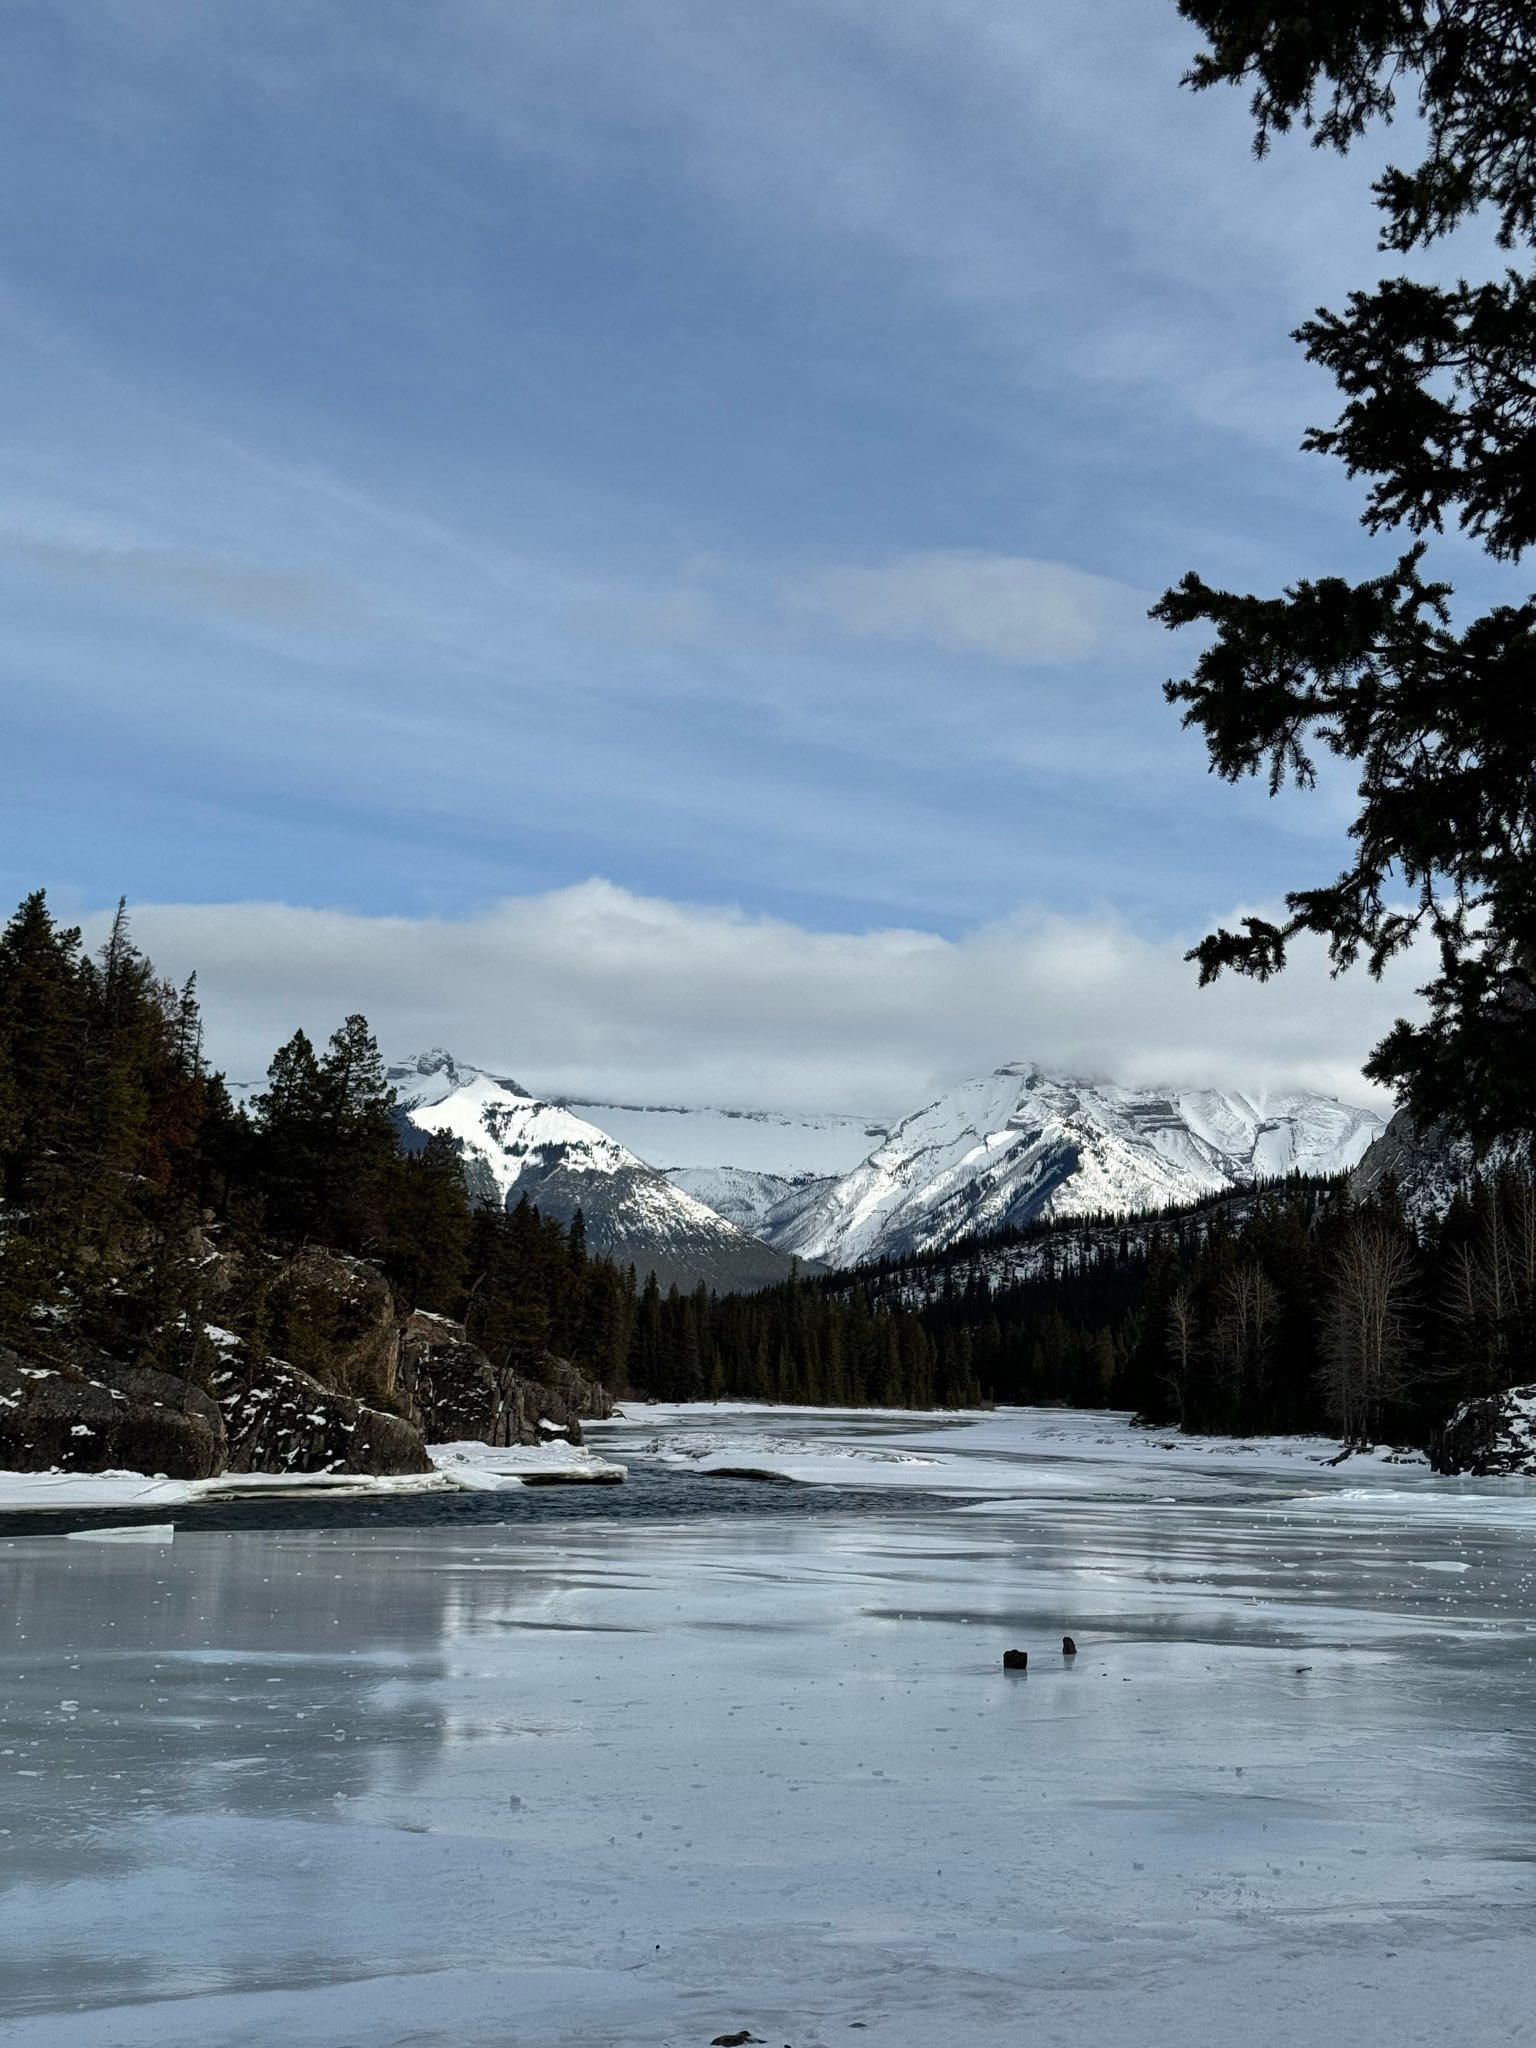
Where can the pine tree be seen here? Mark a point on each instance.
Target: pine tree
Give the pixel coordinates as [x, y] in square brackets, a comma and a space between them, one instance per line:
[1436, 712]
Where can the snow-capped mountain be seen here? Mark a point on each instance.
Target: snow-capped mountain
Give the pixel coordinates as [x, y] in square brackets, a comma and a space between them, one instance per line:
[515, 1144]
[1019, 1144]
[1023, 1143]
[759, 1168]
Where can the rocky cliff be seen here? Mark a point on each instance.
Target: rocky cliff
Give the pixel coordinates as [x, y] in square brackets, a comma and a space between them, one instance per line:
[373, 1387]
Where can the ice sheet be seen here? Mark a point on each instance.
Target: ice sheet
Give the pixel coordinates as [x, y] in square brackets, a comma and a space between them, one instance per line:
[645, 1783]
[55, 1490]
[1008, 1451]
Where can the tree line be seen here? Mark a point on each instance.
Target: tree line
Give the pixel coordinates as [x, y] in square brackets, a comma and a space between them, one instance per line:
[1292, 1308]
[123, 1158]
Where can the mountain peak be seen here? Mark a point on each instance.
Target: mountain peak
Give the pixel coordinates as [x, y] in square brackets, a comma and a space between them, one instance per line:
[427, 1077]
[1025, 1142]
[515, 1144]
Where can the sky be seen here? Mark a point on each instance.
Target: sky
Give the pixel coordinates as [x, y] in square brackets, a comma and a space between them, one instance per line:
[618, 536]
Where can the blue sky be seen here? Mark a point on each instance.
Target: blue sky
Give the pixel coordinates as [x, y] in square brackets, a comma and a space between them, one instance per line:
[452, 453]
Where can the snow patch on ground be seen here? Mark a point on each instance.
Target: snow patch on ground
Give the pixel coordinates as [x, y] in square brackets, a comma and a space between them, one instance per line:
[54, 1490]
[469, 1467]
[489, 1468]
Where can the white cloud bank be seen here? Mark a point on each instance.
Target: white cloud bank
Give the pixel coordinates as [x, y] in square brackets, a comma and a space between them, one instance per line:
[597, 992]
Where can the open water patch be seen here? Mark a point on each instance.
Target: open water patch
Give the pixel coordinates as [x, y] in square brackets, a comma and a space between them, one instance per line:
[655, 1491]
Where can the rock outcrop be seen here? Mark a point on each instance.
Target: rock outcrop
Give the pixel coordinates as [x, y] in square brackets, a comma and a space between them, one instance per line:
[341, 1311]
[447, 1385]
[94, 1415]
[278, 1419]
[1428, 1166]
[568, 1393]
[368, 1392]
[453, 1392]
[1495, 1435]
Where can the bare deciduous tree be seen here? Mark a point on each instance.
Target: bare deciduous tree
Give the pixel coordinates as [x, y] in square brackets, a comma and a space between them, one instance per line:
[1179, 1341]
[1365, 1326]
[1244, 1330]
[1491, 1283]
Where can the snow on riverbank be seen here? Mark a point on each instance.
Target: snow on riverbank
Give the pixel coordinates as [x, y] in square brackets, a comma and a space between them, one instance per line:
[142, 1490]
[1007, 1450]
[1004, 1452]
[489, 1467]
[459, 1467]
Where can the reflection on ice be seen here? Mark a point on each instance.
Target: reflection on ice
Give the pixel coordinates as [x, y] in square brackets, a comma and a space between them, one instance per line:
[620, 1782]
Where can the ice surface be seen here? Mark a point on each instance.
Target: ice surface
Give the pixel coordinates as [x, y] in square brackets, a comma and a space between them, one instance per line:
[1018, 1451]
[607, 1782]
[55, 1490]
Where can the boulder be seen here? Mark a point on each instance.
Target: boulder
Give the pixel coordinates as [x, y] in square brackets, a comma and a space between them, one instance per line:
[1490, 1436]
[279, 1419]
[334, 1315]
[453, 1392]
[94, 1415]
[448, 1385]
[566, 1397]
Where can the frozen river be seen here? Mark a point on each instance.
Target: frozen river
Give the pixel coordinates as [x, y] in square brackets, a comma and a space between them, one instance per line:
[581, 1774]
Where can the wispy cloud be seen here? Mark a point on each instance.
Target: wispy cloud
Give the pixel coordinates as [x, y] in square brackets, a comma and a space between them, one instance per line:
[371, 405]
[1006, 606]
[242, 590]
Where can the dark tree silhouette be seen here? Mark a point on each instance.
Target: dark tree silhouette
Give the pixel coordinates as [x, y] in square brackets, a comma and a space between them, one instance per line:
[1439, 384]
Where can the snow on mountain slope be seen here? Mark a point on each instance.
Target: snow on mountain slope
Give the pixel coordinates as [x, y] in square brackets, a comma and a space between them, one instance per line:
[515, 1144]
[760, 1141]
[767, 1204]
[1429, 1166]
[1023, 1143]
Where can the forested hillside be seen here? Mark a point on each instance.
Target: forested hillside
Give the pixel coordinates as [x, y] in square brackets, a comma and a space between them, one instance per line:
[148, 1219]
[1297, 1307]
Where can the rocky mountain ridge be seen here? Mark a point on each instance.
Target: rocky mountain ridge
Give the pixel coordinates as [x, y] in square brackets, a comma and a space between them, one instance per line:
[1024, 1143]
[515, 1144]
[1428, 1167]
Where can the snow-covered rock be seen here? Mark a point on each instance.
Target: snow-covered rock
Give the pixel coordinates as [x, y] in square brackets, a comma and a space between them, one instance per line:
[1496, 1435]
[1429, 1167]
[515, 1144]
[278, 1419]
[1025, 1143]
